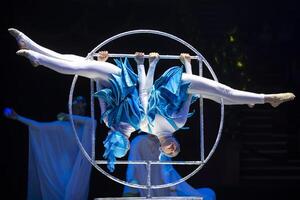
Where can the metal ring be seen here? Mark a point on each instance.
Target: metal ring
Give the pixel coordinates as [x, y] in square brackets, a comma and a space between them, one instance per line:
[155, 32]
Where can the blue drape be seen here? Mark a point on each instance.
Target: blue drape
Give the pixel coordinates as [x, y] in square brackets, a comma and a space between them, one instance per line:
[57, 169]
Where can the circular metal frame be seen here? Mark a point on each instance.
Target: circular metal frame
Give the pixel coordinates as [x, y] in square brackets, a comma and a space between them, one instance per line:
[200, 58]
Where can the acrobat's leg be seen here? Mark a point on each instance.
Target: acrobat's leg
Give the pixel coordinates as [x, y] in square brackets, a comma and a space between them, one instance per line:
[218, 100]
[147, 82]
[25, 42]
[153, 60]
[207, 87]
[86, 68]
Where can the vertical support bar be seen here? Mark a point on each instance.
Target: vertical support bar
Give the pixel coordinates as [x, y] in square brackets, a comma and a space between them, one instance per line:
[93, 119]
[202, 153]
[148, 179]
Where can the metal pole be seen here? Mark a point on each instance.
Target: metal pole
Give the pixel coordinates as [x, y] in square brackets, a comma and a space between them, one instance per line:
[93, 118]
[148, 179]
[115, 55]
[201, 117]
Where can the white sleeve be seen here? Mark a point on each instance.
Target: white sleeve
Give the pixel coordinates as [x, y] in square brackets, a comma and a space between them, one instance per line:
[142, 78]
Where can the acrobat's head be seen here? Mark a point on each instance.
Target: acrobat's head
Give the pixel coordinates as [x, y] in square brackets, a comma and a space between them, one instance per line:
[169, 146]
[79, 105]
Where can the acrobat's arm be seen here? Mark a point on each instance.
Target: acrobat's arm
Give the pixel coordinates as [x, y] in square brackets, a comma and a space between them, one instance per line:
[153, 60]
[102, 57]
[139, 59]
[184, 110]
[148, 80]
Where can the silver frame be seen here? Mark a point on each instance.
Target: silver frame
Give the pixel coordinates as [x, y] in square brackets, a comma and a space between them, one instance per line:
[149, 186]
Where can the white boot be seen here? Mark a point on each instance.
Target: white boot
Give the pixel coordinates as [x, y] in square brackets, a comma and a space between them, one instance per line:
[22, 40]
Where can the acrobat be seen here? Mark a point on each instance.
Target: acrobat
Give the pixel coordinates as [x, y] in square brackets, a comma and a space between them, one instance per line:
[132, 102]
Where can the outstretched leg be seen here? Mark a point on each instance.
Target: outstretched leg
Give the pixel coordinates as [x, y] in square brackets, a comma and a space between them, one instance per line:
[25, 42]
[97, 70]
[213, 90]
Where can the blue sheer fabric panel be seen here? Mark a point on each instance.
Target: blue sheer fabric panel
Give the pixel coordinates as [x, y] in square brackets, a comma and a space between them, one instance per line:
[57, 169]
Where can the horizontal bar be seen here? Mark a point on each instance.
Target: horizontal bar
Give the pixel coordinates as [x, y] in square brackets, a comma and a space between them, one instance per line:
[176, 162]
[115, 55]
[158, 198]
[121, 162]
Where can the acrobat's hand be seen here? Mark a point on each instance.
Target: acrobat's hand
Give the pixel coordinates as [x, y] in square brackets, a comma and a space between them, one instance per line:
[31, 55]
[10, 113]
[139, 58]
[20, 37]
[103, 56]
[153, 58]
[185, 57]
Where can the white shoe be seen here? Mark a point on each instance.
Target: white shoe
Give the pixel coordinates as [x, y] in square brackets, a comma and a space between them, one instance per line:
[276, 99]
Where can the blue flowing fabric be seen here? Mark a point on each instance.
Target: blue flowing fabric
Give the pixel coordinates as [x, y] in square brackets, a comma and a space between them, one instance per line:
[116, 146]
[146, 147]
[122, 106]
[168, 94]
[57, 169]
[122, 98]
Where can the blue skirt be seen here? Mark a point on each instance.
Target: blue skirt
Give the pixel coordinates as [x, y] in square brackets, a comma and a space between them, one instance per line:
[168, 94]
[122, 98]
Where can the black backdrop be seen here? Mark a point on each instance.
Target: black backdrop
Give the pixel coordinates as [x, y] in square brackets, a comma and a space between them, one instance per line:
[260, 34]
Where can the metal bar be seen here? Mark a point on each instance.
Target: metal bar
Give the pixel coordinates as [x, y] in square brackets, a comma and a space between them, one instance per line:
[116, 55]
[202, 153]
[148, 179]
[176, 162]
[93, 117]
[158, 198]
[121, 162]
[125, 162]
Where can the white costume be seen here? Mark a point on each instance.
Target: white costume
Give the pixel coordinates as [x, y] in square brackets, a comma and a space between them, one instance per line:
[159, 108]
[102, 71]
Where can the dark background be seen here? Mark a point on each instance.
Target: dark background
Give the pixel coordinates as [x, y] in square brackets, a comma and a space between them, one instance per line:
[251, 45]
